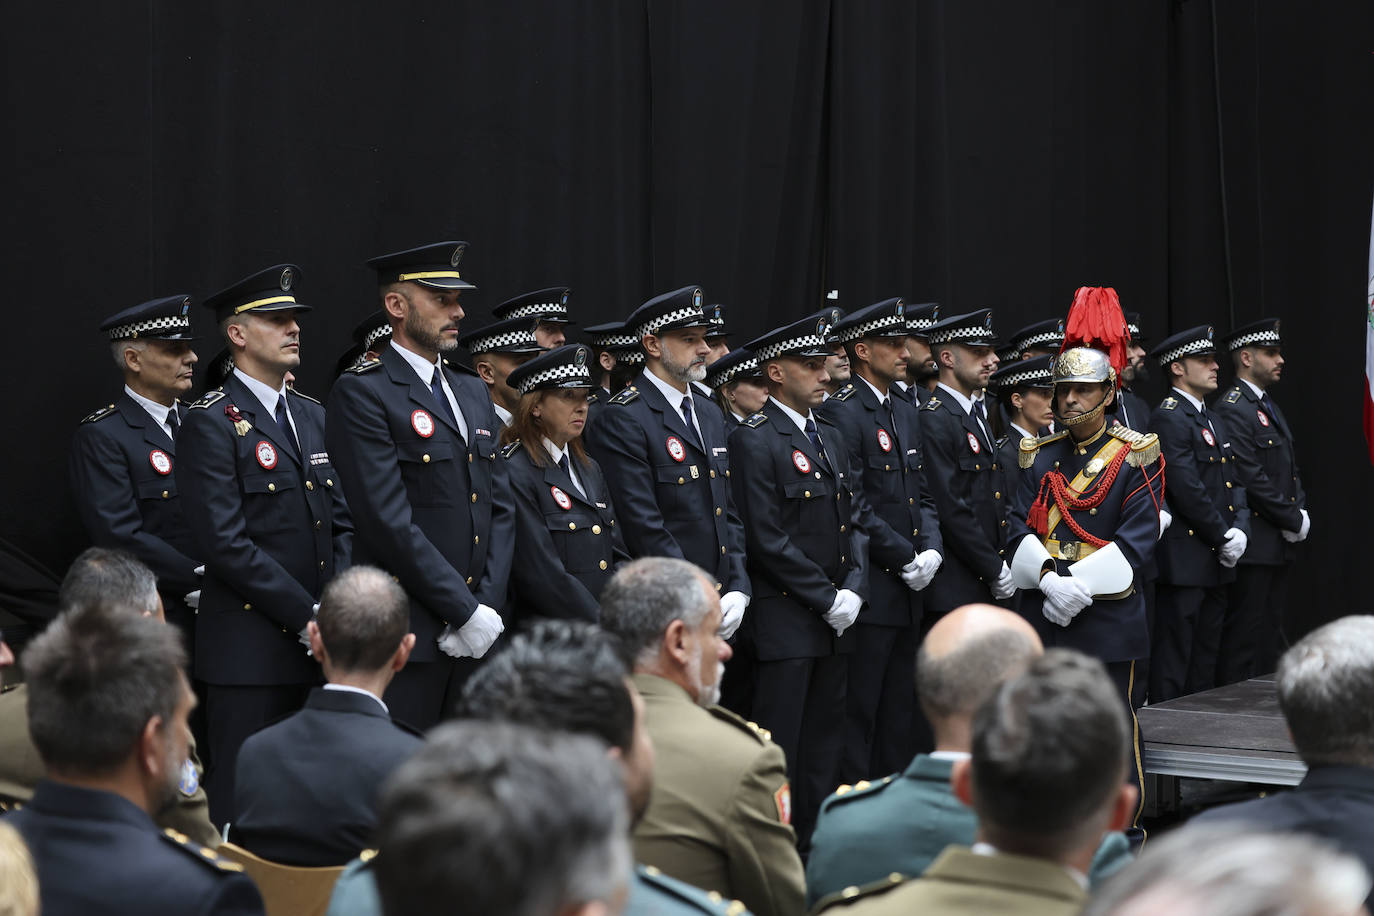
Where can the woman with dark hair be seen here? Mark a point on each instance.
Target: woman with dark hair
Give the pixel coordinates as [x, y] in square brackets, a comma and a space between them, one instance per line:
[737, 381]
[566, 542]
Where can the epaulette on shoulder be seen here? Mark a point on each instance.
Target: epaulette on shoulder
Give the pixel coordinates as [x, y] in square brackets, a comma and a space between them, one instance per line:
[844, 393]
[459, 367]
[1232, 396]
[1144, 446]
[303, 395]
[835, 902]
[100, 414]
[1169, 403]
[860, 789]
[208, 398]
[204, 855]
[931, 404]
[762, 734]
[625, 396]
[593, 397]
[1025, 453]
[511, 449]
[754, 421]
[688, 895]
[364, 366]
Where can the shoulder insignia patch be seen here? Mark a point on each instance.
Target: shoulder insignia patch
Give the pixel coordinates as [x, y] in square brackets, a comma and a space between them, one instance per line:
[202, 854]
[860, 789]
[209, 398]
[1169, 403]
[754, 421]
[100, 414]
[594, 397]
[1232, 396]
[844, 393]
[836, 902]
[366, 366]
[306, 396]
[1025, 452]
[762, 734]
[931, 404]
[625, 396]
[511, 449]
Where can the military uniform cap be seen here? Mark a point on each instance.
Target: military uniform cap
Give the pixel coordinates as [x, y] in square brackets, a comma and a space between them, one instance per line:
[804, 339]
[563, 367]
[219, 369]
[737, 364]
[1196, 341]
[882, 319]
[920, 317]
[167, 318]
[612, 336]
[435, 266]
[682, 308]
[832, 315]
[270, 290]
[373, 330]
[544, 304]
[1262, 333]
[1133, 325]
[1048, 334]
[716, 315]
[1034, 372]
[514, 335]
[973, 329]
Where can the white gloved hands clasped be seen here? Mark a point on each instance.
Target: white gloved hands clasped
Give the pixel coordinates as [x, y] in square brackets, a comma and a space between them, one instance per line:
[1005, 586]
[474, 638]
[843, 611]
[1294, 537]
[732, 605]
[1231, 551]
[1065, 597]
[922, 569]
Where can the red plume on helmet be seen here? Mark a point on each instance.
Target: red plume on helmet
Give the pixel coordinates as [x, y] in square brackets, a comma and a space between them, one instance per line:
[1095, 320]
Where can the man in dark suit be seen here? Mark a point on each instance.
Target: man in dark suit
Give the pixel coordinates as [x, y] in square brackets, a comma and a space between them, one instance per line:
[271, 522]
[306, 788]
[1326, 692]
[887, 463]
[808, 558]
[661, 445]
[1197, 553]
[123, 456]
[967, 477]
[107, 709]
[415, 437]
[1252, 634]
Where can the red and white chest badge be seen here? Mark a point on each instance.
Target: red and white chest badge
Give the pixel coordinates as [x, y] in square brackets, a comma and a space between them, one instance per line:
[884, 440]
[267, 455]
[561, 498]
[160, 461]
[974, 444]
[801, 461]
[1264, 421]
[1209, 438]
[675, 449]
[422, 423]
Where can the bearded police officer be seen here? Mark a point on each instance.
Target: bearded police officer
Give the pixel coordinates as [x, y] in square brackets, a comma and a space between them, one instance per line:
[921, 371]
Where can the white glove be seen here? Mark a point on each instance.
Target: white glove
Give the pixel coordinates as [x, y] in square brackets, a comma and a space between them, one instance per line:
[922, 569]
[1293, 537]
[474, 638]
[192, 599]
[1165, 520]
[199, 570]
[1065, 596]
[304, 634]
[843, 611]
[1235, 545]
[1005, 586]
[732, 605]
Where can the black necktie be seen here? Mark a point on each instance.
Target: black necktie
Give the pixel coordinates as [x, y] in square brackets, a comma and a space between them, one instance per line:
[814, 435]
[173, 423]
[1267, 404]
[687, 418]
[980, 413]
[1207, 418]
[566, 465]
[891, 420]
[436, 385]
[285, 423]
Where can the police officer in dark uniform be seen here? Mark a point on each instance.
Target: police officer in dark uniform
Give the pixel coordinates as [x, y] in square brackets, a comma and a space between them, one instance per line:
[921, 371]
[808, 559]
[1209, 533]
[1043, 338]
[1025, 395]
[886, 459]
[548, 308]
[611, 345]
[270, 522]
[662, 447]
[737, 383]
[371, 334]
[966, 474]
[1252, 634]
[497, 349]
[1132, 411]
[564, 515]
[123, 456]
[415, 437]
[718, 339]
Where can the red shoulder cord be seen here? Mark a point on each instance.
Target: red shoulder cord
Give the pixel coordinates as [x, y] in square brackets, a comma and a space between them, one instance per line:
[1055, 485]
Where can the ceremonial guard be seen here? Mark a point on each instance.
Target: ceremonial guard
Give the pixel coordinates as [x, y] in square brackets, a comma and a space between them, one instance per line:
[886, 459]
[123, 456]
[1085, 520]
[921, 371]
[415, 437]
[1252, 634]
[737, 382]
[808, 560]
[270, 522]
[496, 350]
[546, 308]
[564, 519]
[965, 473]
[1209, 533]
[662, 447]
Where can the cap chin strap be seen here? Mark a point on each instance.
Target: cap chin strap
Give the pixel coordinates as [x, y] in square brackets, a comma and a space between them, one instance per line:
[1088, 418]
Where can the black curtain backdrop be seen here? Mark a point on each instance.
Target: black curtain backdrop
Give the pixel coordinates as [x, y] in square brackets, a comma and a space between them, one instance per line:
[1208, 158]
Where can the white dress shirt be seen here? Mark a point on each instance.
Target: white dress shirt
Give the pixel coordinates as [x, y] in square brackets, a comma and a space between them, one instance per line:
[367, 693]
[558, 454]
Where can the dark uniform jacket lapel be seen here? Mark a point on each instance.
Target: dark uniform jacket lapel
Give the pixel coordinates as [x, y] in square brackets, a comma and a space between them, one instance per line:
[784, 424]
[672, 414]
[263, 420]
[153, 433]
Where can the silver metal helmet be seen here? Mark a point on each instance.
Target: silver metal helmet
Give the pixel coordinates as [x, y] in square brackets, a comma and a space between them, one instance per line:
[1082, 364]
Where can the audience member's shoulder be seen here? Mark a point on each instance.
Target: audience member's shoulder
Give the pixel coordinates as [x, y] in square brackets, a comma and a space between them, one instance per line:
[870, 895]
[656, 893]
[747, 736]
[196, 868]
[860, 796]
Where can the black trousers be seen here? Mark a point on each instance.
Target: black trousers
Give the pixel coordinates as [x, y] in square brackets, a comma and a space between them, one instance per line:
[233, 713]
[421, 694]
[1252, 633]
[741, 671]
[802, 702]
[1125, 677]
[1186, 639]
[880, 694]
